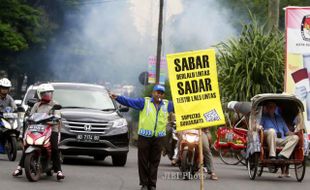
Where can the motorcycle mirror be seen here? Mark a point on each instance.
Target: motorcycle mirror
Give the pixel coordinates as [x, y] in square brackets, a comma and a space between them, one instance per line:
[18, 102]
[57, 107]
[20, 109]
[32, 101]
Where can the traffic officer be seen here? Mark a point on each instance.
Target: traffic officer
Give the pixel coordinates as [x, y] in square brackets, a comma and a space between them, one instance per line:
[153, 118]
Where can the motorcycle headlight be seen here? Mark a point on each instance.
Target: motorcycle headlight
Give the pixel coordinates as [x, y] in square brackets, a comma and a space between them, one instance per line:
[6, 124]
[29, 140]
[119, 123]
[40, 141]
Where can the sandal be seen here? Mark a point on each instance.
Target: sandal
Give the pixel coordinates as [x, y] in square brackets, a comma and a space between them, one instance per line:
[173, 162]
[60, 175]
[17, 172]
[213, 177]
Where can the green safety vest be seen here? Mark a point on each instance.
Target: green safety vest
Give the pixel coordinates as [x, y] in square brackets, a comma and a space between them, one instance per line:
[148, 125]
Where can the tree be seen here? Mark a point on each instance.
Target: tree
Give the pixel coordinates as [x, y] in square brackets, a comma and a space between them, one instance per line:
[240, 8]
[26, 26]
[252, 64]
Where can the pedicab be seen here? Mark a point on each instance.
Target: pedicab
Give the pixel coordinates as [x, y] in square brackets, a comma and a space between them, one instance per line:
[291, 110]
[231, 139]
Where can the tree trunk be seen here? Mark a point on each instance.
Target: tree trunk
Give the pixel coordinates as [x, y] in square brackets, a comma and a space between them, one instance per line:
[273, 15]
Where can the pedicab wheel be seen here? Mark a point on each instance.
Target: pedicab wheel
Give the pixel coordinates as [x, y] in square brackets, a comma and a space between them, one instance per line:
[260, 172]
[253, 165]
[229, 156]
[32, 167]
[300, 170]
[241, 158]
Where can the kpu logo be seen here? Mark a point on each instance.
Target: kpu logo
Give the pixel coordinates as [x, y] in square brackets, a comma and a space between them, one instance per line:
[305, 28]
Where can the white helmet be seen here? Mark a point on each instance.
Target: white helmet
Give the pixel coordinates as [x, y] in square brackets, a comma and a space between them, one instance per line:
[5, 83]
[44, 88]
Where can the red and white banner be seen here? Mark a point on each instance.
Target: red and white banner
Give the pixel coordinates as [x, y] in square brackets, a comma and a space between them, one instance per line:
[297, 67]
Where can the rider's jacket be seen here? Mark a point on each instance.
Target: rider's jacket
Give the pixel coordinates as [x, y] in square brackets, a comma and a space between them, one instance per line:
[40, 107]
[8, 101]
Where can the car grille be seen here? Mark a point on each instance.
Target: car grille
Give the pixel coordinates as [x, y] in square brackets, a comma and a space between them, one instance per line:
[87, 127]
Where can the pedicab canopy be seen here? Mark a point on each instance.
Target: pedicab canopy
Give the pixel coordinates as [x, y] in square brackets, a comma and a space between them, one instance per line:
[288, 105]
[194, 89]
[241, 107]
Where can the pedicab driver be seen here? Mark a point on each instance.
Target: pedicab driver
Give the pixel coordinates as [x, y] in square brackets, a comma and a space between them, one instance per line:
[277, 133]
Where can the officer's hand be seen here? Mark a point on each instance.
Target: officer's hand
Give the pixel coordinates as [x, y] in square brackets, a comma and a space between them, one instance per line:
[113, 96]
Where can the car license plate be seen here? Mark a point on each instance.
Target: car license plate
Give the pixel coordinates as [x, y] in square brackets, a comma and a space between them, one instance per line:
[87, 137]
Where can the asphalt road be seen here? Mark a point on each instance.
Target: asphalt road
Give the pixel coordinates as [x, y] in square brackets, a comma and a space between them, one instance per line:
[83, 173]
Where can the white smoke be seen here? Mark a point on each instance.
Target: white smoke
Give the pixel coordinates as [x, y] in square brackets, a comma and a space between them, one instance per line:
[112, 41]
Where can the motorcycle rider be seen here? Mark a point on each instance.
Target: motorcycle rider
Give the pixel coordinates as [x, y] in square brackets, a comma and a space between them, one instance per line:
[46, 103]
[170, 131]
[5, 99]
[207, 154]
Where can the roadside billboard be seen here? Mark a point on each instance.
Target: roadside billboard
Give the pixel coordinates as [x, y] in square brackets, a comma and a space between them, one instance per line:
[152, 70]
[297, 67]
[194, 89]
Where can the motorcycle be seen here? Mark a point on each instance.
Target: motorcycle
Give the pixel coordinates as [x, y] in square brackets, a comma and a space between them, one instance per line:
[189, 153]
[9, 132]
[170, 146]
[37, 144]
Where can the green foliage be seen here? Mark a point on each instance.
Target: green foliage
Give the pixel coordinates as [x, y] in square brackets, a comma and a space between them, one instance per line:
[10, 40]
[240, 9]
[252, 64]
[20, 25]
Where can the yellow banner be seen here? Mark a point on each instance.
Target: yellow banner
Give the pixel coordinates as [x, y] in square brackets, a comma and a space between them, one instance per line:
[194, 88]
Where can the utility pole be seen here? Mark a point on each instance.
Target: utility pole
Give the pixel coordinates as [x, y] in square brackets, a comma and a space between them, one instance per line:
[159, 40]
[273, 14]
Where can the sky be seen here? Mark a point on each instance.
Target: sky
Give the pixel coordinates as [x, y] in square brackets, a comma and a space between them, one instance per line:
[111, 41]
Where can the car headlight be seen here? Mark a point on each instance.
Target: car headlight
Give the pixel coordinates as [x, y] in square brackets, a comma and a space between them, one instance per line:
[119, 123]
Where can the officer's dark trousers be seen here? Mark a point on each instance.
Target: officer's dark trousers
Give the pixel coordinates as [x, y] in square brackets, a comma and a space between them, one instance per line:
[149, 153]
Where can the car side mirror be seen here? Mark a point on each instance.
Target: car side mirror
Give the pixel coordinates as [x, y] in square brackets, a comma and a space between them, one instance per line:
[31, 102]
[123, 109]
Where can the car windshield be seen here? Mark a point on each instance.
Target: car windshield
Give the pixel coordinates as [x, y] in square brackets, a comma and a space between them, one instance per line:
[93, 98]
[30, 94]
